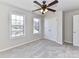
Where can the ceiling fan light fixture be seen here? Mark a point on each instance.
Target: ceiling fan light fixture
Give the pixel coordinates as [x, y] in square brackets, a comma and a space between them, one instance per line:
[41, 10]
[44, 11]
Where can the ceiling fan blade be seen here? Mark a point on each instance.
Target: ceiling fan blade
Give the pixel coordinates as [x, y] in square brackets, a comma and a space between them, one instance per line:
[37, 3]
[52, 3]
[51, 10]
[36, 10]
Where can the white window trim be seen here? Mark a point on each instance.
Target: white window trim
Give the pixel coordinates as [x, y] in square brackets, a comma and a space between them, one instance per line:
[39, 26]
[10, 26]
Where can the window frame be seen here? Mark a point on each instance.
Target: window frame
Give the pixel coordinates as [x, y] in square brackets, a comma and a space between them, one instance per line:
[10, 25]
[39, 25]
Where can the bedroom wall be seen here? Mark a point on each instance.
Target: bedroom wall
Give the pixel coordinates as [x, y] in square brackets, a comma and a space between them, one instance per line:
[5, 41]
[68, 25]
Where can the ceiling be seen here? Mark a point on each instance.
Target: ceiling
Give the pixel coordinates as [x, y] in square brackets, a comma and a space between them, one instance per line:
[64, 5]
[70, 4]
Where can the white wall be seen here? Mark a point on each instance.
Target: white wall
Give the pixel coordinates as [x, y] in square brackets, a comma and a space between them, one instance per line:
[68, 25]
[5, 41]
[53, 26]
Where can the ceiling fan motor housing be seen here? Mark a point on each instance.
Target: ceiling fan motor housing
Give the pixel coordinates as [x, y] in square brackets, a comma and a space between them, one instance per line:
[44, 7]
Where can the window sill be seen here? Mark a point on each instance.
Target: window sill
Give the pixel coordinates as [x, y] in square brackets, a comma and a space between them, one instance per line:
[36, 33]
[18, 37]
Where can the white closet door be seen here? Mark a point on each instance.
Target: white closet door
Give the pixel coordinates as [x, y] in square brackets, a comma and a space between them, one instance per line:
[51, 29]
[76, 30]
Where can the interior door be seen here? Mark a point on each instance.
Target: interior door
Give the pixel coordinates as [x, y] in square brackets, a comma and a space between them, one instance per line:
[76, 30]
[51, 29]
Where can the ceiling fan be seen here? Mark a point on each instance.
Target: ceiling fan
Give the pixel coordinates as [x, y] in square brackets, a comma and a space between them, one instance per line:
[44, 7]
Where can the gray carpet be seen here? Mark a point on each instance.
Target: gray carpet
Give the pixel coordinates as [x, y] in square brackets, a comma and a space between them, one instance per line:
[42, 49]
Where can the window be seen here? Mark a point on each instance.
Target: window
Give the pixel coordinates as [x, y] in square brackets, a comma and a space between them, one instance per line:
[17, 25]
[36, 25]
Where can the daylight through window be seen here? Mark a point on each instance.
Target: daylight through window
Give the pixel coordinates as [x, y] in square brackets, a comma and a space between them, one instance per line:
[36, 25]
[17, 25]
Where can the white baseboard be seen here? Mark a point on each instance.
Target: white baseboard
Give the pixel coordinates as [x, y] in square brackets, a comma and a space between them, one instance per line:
[54, 41]
[17, 45]
[68, 42]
